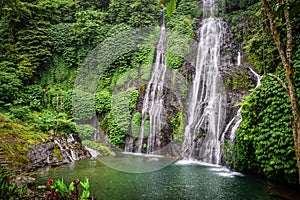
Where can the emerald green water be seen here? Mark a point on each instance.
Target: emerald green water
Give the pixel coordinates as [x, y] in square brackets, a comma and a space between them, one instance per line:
[178, 180]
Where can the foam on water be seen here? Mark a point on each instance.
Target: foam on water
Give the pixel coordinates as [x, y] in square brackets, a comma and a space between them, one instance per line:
[143, 154]
[225, 172]
[195, 162]
[217, 169]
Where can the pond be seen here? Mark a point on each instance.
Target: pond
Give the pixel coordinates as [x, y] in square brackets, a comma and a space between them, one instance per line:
[132, 177]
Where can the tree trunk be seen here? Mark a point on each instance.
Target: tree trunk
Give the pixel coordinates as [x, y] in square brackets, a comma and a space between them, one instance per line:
[286, 58]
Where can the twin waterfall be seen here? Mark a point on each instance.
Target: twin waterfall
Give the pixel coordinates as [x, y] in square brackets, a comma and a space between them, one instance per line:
[205, 121]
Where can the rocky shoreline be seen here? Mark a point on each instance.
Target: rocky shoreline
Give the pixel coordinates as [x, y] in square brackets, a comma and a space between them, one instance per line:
[58, 150]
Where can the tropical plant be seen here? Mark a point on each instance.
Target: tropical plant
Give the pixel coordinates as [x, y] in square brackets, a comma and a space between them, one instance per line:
[278, 13]
[60, 191]
[85, 131]
[8, 189]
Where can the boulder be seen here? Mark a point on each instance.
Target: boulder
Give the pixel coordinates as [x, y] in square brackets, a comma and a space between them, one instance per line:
[57, 151]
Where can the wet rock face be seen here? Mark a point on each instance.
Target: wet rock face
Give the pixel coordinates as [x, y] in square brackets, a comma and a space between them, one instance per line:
[59, 150]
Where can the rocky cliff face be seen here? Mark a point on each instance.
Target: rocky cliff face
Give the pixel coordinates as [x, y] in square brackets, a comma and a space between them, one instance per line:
[235, 75]
[57, 151]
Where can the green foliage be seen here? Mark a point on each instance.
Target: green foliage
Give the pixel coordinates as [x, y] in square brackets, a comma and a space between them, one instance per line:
[8, 189]
[229, 152]
[229, 6]
[10, 83]
[116, 134]
[102, 149]
[16, 137]
[90, 28]
[174, 61]
[31, 96]
[264, 140]
[122, 105]
[21, 113]
[178, 127]
[144, 146]
[238, 80]
[146, 127]
[136, 124]
[182, 24]
[130, 75]
[258, 40]
[146, 71]
[103, 101]
[57, 153]
[137, 13]
[46, 121]
[85, 131]
[33, 49]
[59, 190]
[171, 7]
[83, 105]
[94, 4]
[184, 17]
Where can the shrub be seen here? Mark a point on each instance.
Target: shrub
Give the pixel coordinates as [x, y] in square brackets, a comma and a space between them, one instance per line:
[59, 190]
[9, 190]
[85, 131]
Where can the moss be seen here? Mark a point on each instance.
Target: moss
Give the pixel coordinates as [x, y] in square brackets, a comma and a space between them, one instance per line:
[103, 150]
[135, 124]
[238, 81]
[16, 137]
[178, 127]
[57, 153]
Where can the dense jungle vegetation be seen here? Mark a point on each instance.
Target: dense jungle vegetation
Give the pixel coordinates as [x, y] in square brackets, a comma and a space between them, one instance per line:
[44, 43]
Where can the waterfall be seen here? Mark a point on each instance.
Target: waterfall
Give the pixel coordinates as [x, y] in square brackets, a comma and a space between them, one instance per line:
[206, 114]
[93, 152]
[153, 106]
[239, 59]
[258, 77]
[236, 121]
[64, 148]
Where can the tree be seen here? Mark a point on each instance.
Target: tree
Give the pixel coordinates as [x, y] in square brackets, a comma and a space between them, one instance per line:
[285, 51]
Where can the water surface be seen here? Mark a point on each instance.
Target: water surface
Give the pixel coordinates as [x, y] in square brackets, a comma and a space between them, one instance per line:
[178, 180]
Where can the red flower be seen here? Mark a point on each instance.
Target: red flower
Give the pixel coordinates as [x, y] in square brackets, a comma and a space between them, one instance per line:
[50, 181]
[7, 178]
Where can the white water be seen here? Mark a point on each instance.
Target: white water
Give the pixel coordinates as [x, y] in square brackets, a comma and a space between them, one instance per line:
[236, 121]
[239, 59]
[62, 149]
[258, 77]
[207, 105]
[218, 169]
[153, 103]
[93, 152]
[70, 138]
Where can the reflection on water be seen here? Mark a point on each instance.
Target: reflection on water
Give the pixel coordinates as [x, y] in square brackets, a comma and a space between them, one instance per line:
[136, 162]
[179, 180]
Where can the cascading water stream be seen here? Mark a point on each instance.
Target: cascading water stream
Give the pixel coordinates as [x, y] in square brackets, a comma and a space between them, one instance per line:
[239, 59]
[236, 121]
[153, 107]
[202, 137]
[258, 77]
